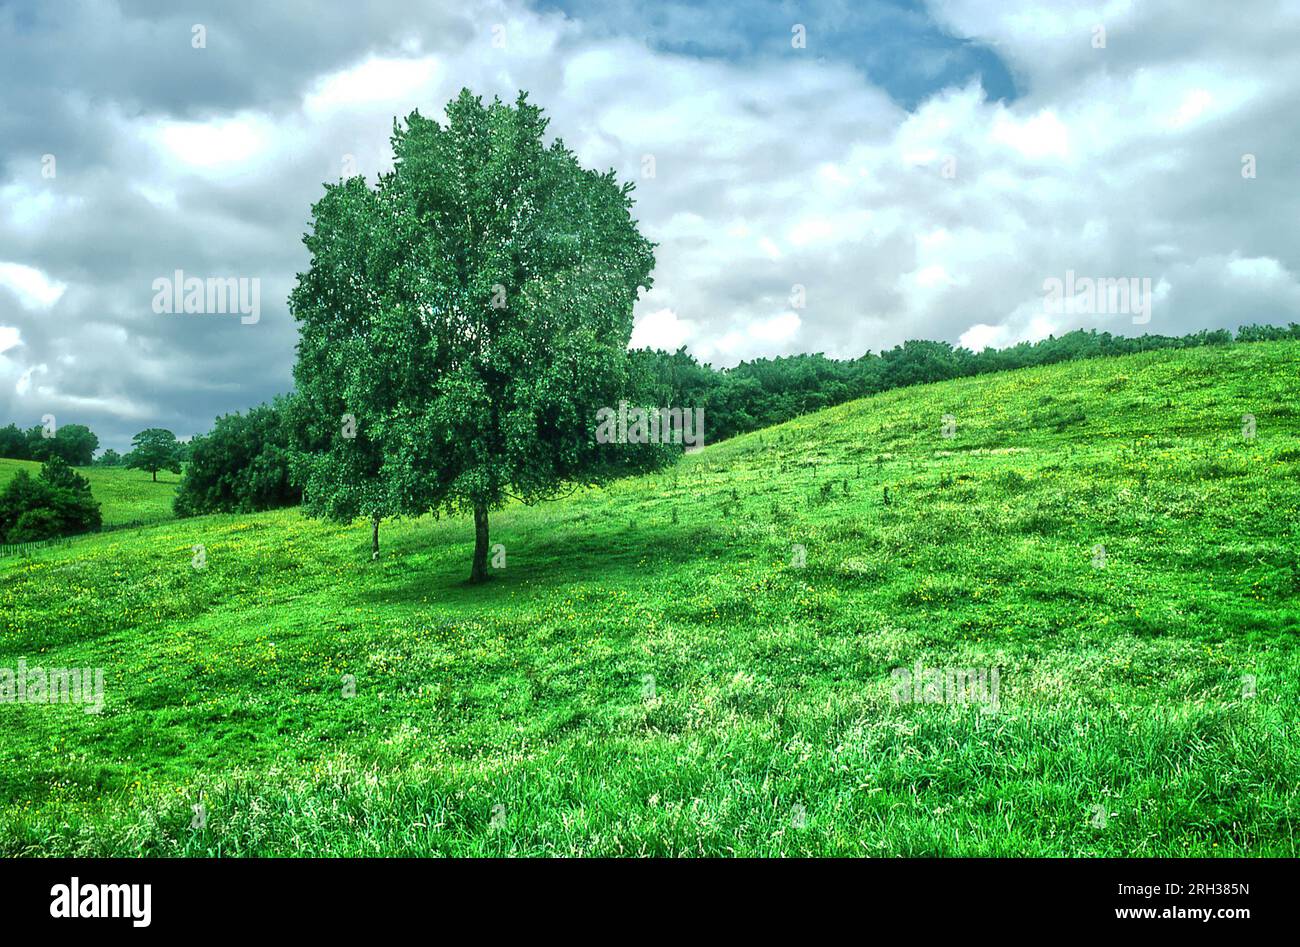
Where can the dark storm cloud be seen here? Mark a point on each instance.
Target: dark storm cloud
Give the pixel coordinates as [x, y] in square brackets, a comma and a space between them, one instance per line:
[77, 77]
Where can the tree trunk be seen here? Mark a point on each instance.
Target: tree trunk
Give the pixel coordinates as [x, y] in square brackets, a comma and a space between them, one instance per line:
[155, 476]
[479, 572]
[374, 538]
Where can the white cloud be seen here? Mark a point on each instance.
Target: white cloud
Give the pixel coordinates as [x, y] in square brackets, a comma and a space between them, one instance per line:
[661, 329]
[759, 337]
[33, 288]
[29, 208]
[216, 143]
[1037, 136]
[812, 230]
[933, 275]
[1193, 105]
[979, 337]
[374, 81]
[1257, 270]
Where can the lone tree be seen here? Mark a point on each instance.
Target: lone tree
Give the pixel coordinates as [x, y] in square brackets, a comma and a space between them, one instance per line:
[462, 322]
[153, 450]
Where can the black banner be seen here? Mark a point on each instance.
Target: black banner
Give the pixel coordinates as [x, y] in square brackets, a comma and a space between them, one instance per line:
[332, 897]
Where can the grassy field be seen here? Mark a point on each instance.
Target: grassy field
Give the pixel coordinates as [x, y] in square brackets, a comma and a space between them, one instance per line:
[124, 496]
[652, 673]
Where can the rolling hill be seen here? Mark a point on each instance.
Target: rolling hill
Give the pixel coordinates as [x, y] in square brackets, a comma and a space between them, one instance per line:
[704, 661]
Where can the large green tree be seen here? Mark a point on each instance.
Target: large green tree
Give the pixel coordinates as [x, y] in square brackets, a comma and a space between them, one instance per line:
[153, 450]
[76, 444]
[463, 321]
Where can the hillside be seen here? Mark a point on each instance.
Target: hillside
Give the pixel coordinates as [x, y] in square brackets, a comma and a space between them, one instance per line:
[124, 496]
[650, 674]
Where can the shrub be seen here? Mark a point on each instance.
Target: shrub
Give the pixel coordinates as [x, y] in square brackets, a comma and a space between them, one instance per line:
[243, 465]
[58, 502]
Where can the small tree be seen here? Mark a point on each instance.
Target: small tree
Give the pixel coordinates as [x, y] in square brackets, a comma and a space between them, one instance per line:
[39, 446]
[153, 450]
[58, 474]
[463, 322]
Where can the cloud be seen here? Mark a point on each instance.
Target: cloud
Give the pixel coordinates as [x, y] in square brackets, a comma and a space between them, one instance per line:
[757, 338]
[375, 81]
[661, 329]
[214, 144]
[33, 288]
[890, 169]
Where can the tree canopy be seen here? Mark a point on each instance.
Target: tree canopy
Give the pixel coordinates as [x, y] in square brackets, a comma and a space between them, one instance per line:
[463, 321]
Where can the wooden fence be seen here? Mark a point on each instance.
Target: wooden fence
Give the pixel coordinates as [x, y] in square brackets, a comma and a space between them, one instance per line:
[26, 549]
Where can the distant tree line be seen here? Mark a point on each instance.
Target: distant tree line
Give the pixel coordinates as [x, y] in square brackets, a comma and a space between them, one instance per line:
[74, 444]
[768, 391]
[245, 463]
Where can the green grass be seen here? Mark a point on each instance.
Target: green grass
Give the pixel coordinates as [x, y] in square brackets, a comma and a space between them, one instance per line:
[1124, 689]
[124, 496]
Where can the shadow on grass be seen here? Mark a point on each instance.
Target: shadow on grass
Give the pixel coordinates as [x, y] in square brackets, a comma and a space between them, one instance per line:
[609, 554]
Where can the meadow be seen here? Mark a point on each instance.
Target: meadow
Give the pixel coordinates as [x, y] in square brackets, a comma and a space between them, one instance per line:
[659, 669]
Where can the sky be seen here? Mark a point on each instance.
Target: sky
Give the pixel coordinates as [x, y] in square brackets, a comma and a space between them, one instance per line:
[829, 177]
